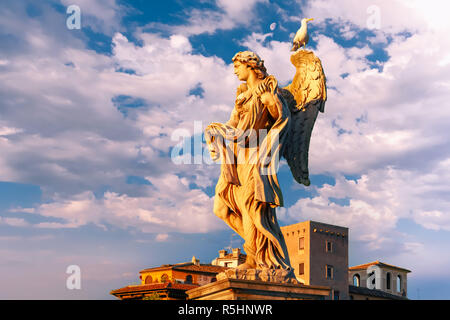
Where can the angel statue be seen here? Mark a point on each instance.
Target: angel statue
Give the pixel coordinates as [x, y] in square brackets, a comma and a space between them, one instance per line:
[281, 121]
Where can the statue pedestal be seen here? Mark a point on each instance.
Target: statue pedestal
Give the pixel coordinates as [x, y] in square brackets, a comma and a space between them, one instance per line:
[247, 285]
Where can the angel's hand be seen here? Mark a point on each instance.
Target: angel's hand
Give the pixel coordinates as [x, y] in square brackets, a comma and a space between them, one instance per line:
[270, 101]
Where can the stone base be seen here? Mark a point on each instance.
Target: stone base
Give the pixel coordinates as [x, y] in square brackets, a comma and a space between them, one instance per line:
[268, 275]
[241, 289]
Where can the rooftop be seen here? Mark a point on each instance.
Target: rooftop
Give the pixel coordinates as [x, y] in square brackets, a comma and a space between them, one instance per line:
[311, 222]
[202, 268]
[230, 256]
[374, 293]
[188, 266]
[377, 263]
[154, 286]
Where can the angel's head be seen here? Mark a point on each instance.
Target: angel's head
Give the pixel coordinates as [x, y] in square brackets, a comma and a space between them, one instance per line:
[246, 62]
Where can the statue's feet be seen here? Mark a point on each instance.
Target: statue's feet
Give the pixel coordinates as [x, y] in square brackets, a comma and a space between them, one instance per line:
[248, 264]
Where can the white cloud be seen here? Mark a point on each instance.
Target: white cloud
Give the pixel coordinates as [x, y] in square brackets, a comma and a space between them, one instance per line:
[69, 137]
[7, 131]
[239, 10]
[162, 237]
[60, 129]
[383, 113]
[61, 116]
[434, 220]
[276, 55]
[378, 200]
[231, 13]
[168, 205]
[395, 16]
[14, 222]
[387, 126]
[101, 15]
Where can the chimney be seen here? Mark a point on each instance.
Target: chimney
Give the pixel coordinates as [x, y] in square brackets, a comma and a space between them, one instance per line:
[222, 253]
[236, 252]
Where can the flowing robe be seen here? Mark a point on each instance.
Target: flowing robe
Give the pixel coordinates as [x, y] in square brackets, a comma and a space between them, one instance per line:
[248, 187]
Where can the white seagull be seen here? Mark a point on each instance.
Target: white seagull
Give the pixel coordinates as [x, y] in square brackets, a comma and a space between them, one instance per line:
[301, 37]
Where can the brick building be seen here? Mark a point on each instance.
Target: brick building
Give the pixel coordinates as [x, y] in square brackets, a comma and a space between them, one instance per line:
[170, 281]
[318, 254]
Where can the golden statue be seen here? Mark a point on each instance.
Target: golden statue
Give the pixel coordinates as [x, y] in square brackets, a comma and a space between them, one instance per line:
[267, 122]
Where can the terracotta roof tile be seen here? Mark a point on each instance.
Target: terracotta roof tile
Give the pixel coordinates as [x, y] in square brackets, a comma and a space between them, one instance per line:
[377, 263]
[202, 268]
[155, 286]
[207, 268]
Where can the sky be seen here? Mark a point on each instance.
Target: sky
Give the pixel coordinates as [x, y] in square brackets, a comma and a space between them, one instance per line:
[90, 119]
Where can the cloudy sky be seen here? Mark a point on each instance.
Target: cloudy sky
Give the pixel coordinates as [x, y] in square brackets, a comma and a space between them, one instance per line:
[90, 117]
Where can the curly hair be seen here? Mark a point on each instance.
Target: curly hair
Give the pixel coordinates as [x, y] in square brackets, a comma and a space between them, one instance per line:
[252, 60]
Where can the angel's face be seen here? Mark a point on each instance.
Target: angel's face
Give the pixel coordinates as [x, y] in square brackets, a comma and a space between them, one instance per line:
[241, 71]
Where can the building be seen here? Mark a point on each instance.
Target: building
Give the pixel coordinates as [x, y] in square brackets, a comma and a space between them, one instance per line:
[229, 260]
[378, 280]
[187, 273]
[170, 281]
[319, 255]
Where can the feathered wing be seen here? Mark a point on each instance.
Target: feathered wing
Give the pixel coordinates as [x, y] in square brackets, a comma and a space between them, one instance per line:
[306, 96]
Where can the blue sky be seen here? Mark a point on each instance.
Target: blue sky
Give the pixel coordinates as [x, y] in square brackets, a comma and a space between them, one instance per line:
[88, 118]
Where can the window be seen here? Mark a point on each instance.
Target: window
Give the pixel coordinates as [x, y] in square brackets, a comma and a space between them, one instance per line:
[148, 280]
[164, 278]
[329, 246]
[388, 281]
[301, 269]
[188, 279]
[356, 280]
[399, 283]
[301, 243]
[330, 272]
[336, 295]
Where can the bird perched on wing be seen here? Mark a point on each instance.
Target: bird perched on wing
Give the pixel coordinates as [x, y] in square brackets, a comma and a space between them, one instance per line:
[301, 37]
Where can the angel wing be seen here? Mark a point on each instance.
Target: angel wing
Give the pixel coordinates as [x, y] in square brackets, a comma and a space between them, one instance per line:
[306, 96]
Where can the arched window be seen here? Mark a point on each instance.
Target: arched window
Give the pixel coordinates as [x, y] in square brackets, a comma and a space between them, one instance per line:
[388, 281]
[399, 283]
[188, 279]
[356, 280]
[148, 280]
[164, 278]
